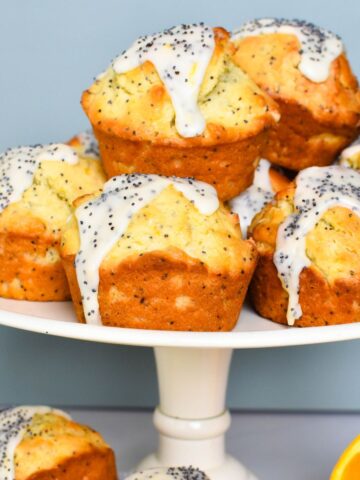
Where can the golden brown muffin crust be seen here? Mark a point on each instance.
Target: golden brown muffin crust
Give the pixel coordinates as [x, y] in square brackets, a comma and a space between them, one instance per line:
[168, 291]
[229, 167]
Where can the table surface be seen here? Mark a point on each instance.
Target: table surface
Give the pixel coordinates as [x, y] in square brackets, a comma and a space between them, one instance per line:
[275, 446]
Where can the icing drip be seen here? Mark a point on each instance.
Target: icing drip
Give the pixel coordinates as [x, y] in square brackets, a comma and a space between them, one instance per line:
[319, 47]
[317, 190]
[13, 424]
[179, 473]
[104, 220]
[253, 199]
[89, 144]
[181, 56]
[345, 156]
[18, 166]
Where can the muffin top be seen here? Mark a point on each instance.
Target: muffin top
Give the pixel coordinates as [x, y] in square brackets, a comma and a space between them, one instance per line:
[179, 87]
[138, 214]
[178, 473]
[350, 157]
[38, 185]
[313, 223]
[296, 61]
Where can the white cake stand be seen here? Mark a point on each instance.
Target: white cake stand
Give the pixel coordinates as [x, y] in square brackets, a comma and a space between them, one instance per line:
[192, 369]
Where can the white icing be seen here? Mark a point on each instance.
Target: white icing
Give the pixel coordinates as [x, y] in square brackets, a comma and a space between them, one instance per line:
[178, 473]
[89, 144]
[13, 424]
[348, 153]
[104, 220]
[319, 47]
[253, 199]
[181, 56]
[18, 166]
[317, 190]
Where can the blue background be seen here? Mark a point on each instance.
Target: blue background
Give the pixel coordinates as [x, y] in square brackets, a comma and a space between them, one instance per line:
[49, 52]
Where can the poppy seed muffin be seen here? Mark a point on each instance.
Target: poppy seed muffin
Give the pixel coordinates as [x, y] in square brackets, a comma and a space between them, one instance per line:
[308, 239]
[40, 443]
[157, 253]
[305, 70]
[37, 187]
[176, 104]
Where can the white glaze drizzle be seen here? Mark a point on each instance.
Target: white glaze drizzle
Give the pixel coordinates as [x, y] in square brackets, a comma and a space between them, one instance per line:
[319, 47]
[104, 220]
[181, 56]
[18, 167]
[317, 190]
[178, 473]
[89, 144]
[349, 152]
[13, 424]
[253, 199]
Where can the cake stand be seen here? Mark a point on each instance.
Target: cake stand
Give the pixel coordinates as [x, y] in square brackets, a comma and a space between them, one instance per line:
[192, 371]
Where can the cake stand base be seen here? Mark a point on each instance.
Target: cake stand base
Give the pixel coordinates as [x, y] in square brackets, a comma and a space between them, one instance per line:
[191, 418]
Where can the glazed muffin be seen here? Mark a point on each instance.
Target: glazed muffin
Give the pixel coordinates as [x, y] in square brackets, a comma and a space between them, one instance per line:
[37, 187]
[178, 473]
[309, 244]
[85, 145]
[40, 443]
[350, 157]
[305, 69]
[157, 253]
[175, 103]
[267, 182]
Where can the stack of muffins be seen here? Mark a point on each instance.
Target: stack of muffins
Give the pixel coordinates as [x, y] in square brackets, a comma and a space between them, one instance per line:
[216, 162]
[210, 170]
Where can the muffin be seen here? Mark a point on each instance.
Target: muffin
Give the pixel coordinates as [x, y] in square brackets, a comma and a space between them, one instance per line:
[309, 244]
[157, 253]
[305, 69]
[179, 473]
[350, 157]
[37, 187]
[85, 145]
[175, 103]
[267, 182]
[40, 443]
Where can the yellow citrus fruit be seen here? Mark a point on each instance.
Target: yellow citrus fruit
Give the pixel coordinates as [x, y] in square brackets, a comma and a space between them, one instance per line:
[348, 465]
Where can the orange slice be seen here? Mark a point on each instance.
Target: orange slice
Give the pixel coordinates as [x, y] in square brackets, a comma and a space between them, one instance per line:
[348, 465]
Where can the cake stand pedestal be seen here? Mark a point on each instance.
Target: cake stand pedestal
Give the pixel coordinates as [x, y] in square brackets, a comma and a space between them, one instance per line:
[193, 370]
[192, 419]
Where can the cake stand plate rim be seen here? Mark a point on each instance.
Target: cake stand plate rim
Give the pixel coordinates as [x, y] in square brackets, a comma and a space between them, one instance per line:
[264, 335]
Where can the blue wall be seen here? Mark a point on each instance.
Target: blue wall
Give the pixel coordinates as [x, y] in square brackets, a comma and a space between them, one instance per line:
[49, 52]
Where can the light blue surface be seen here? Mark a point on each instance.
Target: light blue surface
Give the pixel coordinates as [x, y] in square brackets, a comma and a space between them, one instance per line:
[49, 52]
